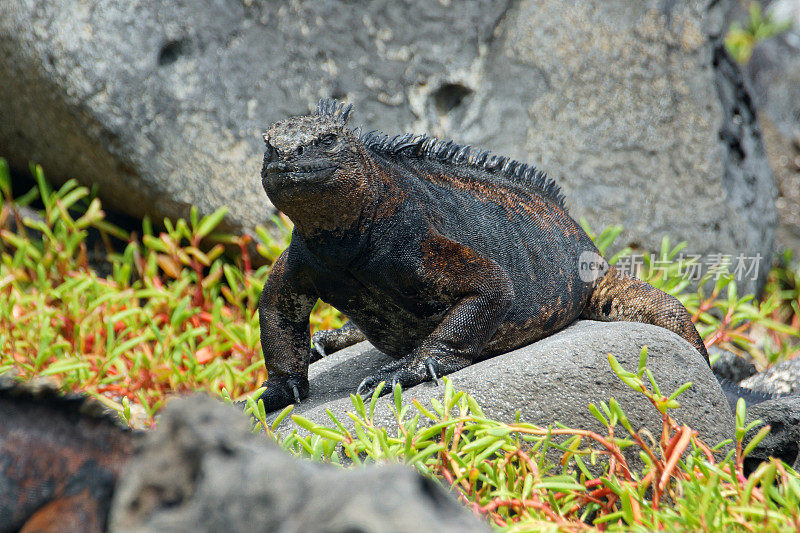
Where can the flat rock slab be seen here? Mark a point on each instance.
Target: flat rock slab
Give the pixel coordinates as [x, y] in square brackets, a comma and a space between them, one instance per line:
[551, 380]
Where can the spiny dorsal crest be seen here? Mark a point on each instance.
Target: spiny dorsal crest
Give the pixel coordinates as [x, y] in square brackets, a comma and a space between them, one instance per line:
[334, 109]
[449, 152]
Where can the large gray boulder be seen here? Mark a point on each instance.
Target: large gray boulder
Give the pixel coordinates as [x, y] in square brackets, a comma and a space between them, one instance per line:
[631, 106]
[638, 112]
[202, 469]
[551, 380]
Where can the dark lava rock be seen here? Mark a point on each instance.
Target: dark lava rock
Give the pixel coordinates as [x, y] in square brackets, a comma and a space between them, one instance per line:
[783, 441]
[730, 366]
[202, 469]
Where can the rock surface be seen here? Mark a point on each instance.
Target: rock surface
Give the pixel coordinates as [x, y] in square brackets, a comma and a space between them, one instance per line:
[551, 380]
[782, 378]
[783, 441]
[730, 366]
[774, 74]
[784, 157]
[642, 115]
[631, 107]
[774, 70]
[202, 469]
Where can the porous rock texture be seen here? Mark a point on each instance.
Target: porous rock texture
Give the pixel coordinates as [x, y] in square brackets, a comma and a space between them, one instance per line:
[631, 106]
[774, 75]
[551, 380]
[782, 378]
[202, 469]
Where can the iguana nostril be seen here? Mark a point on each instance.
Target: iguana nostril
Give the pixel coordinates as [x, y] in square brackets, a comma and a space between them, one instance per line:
[299, 150]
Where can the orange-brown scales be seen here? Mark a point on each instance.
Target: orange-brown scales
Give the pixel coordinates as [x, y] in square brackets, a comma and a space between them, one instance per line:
[60, 457]
[440, 255]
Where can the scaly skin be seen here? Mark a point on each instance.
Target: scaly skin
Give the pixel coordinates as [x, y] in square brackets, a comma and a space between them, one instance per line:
[58, 463]
[440, 255]
[619, 297]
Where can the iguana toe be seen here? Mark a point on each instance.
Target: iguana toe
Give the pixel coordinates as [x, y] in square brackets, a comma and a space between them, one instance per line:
[328, 341]
[369, 385]
[407, 372]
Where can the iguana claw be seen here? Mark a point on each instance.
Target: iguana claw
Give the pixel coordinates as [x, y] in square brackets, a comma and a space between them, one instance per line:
[370, 384]
[320, 348]
[296, 392]
[408, 372]
[429, 365]
[333, 340]
[281, 391]
[362, 386]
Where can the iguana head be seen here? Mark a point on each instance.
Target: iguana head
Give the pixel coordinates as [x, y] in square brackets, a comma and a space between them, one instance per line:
[307, 154]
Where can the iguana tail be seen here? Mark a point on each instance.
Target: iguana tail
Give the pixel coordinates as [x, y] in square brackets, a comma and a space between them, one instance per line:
[620, 297]
[617, 296]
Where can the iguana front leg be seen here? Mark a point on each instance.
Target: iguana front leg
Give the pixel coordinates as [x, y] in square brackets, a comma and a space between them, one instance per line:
[283, 312]
[482, 294]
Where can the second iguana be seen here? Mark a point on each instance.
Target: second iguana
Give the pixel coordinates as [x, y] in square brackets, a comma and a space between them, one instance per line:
[439, 254]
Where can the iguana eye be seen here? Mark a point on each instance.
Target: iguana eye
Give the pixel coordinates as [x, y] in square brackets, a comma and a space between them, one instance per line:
[327, 140]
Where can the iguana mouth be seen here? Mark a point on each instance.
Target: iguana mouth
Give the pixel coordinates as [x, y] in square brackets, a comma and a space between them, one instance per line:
[288, 168]
[280, 175]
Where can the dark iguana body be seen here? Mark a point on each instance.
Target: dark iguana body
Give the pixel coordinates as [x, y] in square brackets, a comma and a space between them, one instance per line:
[440, 255]
[60, 458]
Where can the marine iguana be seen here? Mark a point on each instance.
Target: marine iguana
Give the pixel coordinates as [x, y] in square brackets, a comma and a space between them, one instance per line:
[440, 255]
[60, 458]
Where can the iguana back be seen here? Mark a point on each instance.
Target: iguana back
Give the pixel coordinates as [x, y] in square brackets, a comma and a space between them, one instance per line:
[504, 210]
